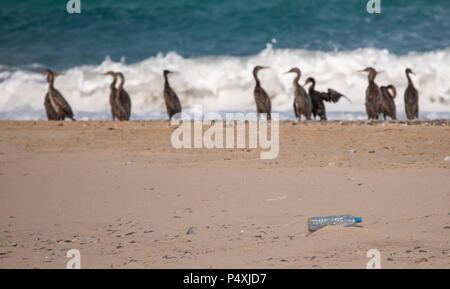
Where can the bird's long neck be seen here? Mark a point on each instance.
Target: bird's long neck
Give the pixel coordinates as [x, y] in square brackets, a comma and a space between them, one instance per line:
[113, 83]
[394, 92]
[255, 75]
[166, 81]
[297, 78]
[50, 79]
[409, 79]
[372, 76]
[122, 81]
[313, 84]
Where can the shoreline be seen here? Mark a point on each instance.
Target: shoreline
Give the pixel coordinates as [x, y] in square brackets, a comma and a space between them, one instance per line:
[426, 122]
[162, 116]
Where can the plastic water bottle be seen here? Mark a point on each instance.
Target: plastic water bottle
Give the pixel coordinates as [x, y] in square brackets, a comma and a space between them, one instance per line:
[315, 223]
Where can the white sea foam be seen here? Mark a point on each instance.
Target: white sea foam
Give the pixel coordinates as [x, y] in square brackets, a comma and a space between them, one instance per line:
[224, 83]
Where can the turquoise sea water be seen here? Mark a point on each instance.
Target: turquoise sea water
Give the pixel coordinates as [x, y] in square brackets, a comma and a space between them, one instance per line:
[43, 32]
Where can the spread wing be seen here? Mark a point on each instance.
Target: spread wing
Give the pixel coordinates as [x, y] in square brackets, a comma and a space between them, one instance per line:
[333, 96]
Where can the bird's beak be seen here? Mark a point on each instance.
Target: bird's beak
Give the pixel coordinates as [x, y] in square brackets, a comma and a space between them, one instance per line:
[380, 71]
[286, 72]
[413, 73]
[306, 82]
[361, 70]
[57, 73]
[265, 67]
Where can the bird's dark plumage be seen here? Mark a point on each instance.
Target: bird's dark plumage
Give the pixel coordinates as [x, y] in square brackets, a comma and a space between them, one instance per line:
[373, 95]
[411, 98]
[55, 104]
[387, 103]
[173, 104]
[50, 111]
[317, 99]
[302, 101]
[262, 99]
[113, 95]
[123, 100]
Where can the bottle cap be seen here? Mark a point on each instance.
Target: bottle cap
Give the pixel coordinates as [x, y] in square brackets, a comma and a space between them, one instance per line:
[358, 220]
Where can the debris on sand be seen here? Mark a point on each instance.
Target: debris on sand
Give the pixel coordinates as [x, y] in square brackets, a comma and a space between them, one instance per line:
[190, 231]
[421, 260]
[276, 199]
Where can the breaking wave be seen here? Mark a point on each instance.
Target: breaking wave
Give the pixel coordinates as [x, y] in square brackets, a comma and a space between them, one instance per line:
[225, 83]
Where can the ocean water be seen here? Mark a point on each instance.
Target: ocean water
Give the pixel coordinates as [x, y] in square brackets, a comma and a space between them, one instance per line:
[213, 46]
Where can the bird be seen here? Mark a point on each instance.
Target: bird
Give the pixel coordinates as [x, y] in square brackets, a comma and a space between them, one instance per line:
[123, 100]
[55, 105]
[302, 101]
[317, 98]
[263, 104]
[113, 94]
[173, 105]
[387, 103]
[373, 94]
[411, 98]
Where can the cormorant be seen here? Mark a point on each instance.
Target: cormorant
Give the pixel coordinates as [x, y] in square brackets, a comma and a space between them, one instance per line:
[317, 98]
[113, 95]
[173, 105]
[123, 100]
[263, 104]
[373, 95]
[387, 103]
[302, 102]
[411, 98]
[55, 105]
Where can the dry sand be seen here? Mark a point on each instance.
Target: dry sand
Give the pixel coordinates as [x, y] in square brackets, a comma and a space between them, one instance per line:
[120, 194]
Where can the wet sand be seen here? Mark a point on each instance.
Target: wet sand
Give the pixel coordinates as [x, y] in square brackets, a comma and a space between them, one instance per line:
[123, 196]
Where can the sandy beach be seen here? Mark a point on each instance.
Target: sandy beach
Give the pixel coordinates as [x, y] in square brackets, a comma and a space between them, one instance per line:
[125, 198]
